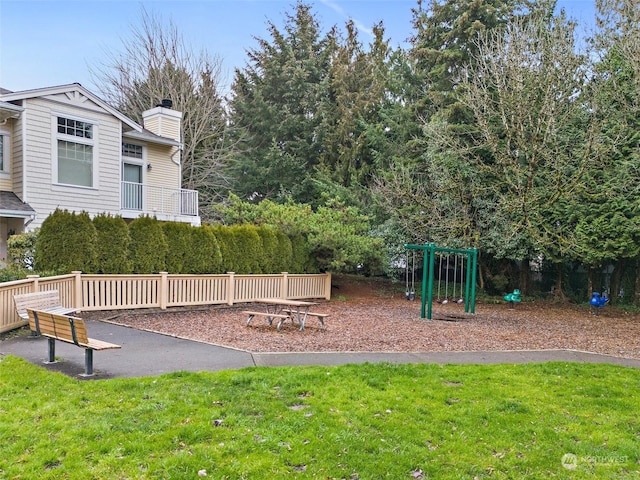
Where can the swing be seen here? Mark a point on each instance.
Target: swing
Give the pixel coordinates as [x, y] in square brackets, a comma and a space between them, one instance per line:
[438, 298]
[461, 298]
[446, 284]
[411, 294]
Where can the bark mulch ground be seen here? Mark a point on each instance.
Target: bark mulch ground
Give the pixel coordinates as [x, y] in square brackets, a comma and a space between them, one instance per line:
[372, 316]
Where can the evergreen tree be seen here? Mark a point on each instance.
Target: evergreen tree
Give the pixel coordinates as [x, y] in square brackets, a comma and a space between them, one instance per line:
[274, 109]
[351, 109]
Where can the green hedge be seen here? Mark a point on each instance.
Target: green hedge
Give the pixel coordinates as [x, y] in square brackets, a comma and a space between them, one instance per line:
[66, 242]
[69, 241]
[112, 246]
[148, 248]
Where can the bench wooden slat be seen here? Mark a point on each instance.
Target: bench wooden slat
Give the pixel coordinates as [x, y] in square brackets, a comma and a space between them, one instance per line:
[265, 314]
[94, 344]
[312, 314]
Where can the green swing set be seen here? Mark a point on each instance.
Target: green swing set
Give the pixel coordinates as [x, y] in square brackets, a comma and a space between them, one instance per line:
[430, 250]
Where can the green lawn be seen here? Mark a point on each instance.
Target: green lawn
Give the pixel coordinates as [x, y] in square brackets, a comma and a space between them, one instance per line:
[353, 422]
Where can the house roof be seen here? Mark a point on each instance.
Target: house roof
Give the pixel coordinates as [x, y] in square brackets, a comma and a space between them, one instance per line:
[148, 136]
[137, 131]
[12, 206]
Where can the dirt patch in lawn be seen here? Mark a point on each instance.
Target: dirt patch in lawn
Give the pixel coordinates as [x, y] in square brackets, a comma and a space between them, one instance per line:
[374, 316]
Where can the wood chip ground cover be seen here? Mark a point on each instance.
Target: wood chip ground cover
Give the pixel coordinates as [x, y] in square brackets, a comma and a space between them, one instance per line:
[365, 317]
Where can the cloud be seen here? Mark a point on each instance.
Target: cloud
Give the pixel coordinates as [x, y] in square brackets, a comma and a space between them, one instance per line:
[341, 11]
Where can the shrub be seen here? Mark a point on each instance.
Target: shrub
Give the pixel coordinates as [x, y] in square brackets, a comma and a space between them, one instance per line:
[226, 242]
[148, 247]
[205, 256]
[284, 253]
[248, 248]
[66, 242]
[21, 249]
[301, 260]
[178, 236]
[269, 258]
[112, 246]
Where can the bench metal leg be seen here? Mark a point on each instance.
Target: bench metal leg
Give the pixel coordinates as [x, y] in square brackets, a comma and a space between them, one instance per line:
[52, 350]
[88, 363]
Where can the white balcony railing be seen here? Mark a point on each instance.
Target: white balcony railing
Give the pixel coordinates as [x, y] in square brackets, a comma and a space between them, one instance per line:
[156, 200]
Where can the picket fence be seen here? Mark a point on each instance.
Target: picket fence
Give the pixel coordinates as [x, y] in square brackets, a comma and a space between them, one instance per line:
[88, 292]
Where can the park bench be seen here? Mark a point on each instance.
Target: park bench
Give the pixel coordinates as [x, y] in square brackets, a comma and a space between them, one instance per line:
[66, 329]
[47, 301]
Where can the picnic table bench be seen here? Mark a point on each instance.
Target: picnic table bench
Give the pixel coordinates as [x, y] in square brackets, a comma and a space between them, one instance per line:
[46, 301]
[66, 329]
[284, 309]
[319, 316]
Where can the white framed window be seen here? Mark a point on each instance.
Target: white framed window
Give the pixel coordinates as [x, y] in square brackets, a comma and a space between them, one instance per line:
[75, 151]
[4, 152]
[131, 150]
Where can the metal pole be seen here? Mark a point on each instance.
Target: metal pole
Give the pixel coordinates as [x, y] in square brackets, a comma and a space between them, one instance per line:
[467, 283]
[473, 280]
[423, 289]
[432, 251]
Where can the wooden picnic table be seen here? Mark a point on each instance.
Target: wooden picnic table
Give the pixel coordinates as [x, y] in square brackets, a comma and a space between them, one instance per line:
[282, 308]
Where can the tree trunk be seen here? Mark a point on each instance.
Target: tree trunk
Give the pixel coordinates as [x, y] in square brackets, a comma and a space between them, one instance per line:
[558, 292]
[616, 279]
[480, 279]
[525, 276]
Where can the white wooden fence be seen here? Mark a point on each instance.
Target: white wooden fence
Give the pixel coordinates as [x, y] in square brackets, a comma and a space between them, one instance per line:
[111, 292]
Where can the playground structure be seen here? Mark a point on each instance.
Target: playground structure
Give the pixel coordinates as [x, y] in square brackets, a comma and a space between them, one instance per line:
[598, 301]
[430, 251]
[513, 297]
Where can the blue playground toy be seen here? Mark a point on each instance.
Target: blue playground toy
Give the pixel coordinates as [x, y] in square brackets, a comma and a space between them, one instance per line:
[513, 297]
[598, 301]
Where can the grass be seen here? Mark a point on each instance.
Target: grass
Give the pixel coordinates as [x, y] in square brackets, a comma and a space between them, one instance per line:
[353, 422]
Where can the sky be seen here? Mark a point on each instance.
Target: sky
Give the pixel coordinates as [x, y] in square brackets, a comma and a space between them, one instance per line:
[45, 43]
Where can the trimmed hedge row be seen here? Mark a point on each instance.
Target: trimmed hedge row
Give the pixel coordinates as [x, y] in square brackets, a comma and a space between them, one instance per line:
[68, 241]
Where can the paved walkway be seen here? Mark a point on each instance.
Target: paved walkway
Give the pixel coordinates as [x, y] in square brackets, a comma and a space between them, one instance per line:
[147, 354]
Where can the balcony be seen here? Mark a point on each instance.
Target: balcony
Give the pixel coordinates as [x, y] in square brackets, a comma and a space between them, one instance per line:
[169, 204]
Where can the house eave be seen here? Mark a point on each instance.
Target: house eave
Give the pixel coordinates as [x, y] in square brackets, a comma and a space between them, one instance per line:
[148, 136]
[9, 110]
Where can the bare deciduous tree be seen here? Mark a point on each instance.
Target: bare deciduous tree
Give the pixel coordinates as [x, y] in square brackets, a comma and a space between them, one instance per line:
[156, 63]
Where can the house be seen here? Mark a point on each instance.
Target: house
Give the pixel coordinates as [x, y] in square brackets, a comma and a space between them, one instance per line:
[63, 147]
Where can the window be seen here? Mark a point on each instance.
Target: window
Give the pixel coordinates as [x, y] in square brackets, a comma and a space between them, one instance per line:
[75, 128]
[2, 160]
[131, 150]
[75, 152]
[4, 152]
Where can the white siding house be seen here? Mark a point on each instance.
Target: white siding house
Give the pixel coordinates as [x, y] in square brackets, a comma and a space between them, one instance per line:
[63, 147]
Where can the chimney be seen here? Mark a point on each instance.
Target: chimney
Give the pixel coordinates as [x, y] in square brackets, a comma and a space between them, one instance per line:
[163, 120]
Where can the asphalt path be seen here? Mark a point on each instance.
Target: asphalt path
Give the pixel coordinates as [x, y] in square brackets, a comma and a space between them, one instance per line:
[150, 354]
